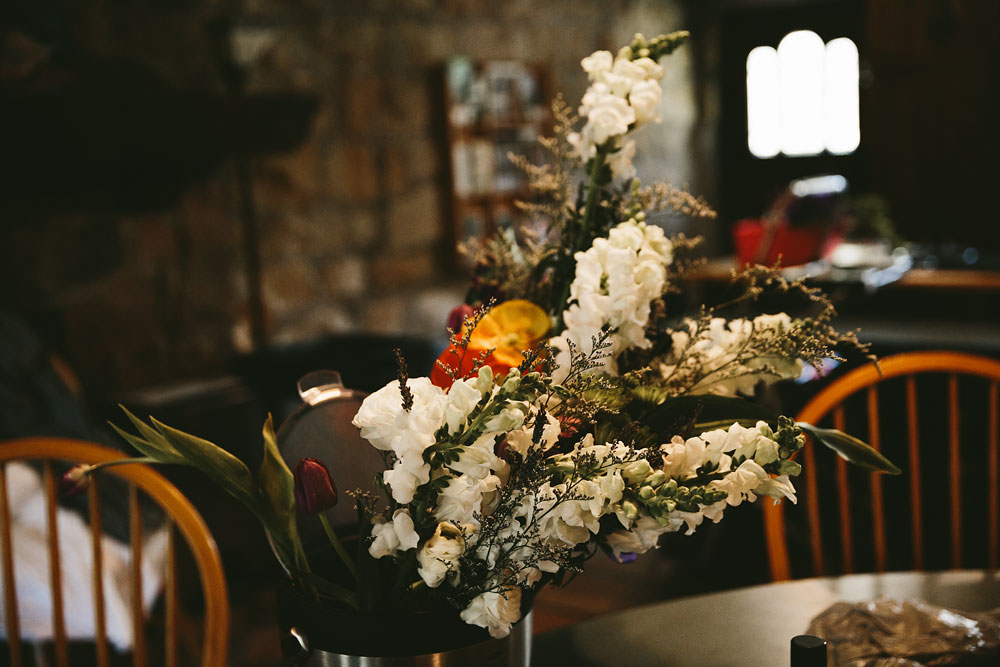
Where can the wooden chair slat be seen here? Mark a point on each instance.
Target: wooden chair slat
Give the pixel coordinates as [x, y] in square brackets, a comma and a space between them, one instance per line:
[55, 567]
[170, 592]
[878, 507]
[955, 472]
[993, 512]
[138, 614]
[12, 622]
[812, 495]
[946, 365]
[844, 502]
[916, 508]
[96, 531]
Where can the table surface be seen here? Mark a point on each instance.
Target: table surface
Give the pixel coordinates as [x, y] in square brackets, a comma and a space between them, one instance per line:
[748, 627]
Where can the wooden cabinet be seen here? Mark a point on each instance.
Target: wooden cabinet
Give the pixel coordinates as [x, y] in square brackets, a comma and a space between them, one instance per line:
[491, 109]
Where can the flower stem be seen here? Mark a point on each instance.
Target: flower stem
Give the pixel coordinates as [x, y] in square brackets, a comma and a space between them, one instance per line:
[337, 546]
[119, 462]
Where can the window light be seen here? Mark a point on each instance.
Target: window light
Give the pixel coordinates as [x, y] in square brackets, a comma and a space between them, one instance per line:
[803, 97]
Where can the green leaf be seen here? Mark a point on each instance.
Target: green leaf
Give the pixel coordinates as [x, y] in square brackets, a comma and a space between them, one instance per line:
[151, 443]
[277, 487]
[221, 467]
[274, 477]
[851, 449]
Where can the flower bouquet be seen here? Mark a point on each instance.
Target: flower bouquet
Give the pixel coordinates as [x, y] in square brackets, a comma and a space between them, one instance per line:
[573, 411]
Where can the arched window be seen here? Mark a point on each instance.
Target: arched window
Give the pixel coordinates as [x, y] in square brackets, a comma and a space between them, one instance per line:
[802, 98]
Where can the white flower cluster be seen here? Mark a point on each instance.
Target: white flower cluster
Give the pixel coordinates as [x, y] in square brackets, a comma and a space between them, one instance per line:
[623, 94]
[472, 480]
[408, 433]
[752, 447]
[616, 280]
[718, 355]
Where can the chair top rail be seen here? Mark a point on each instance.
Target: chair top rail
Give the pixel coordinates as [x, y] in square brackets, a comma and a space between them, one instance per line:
[897, 365]
[168, 496]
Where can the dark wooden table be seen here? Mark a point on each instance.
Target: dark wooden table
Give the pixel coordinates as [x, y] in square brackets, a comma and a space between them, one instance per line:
[748, 627]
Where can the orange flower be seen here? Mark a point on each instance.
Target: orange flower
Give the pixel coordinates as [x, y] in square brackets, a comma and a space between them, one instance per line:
[508, 329]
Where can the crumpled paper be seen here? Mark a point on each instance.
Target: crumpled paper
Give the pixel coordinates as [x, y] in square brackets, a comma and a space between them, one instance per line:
[894, 633]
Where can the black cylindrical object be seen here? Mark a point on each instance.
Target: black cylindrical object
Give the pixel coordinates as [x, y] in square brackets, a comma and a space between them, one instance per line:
[808, 651]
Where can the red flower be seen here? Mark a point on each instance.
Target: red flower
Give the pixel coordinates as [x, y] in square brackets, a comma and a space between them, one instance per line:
[315, 490]
[508, 329]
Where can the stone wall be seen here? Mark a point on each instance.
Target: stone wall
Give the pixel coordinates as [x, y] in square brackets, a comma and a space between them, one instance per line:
[349, 223]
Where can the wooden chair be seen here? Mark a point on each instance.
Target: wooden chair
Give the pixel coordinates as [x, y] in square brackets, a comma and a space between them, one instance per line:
[970, 464]
[180, 515]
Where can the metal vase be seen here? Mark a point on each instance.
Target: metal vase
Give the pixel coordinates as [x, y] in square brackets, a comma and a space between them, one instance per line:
[514, 650]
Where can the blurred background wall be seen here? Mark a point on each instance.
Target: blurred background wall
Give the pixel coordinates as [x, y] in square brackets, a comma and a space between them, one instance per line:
[183, 182]
[187, 180]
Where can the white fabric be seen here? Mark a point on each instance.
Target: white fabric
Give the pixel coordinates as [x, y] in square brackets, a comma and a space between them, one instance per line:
[31, 568]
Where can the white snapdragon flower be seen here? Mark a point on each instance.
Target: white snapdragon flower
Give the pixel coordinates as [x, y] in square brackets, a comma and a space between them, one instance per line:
[644, 98]
[463, 396]
[608, 115]
[512, 416]
[393, 536]
[495, 611]
[741, 484]
[623, 94]
[570, 522]
[478, 460]
[406, 433]
[440, 553]
[519, 440]
[597, 64]
[718, 348]
[643, 535]
[616, 280]
[464, 497]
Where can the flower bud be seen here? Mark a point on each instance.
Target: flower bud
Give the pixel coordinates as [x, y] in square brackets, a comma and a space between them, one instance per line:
[631, 511]
[458, 315]
[656, 479]
[75, 481]
[646, 492]
[315, 490]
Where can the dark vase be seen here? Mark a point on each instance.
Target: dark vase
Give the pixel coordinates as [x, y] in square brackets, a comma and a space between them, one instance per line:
[317, 634]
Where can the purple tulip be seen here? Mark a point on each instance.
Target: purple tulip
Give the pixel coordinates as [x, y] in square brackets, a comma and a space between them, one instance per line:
[75, 481]
[315, 490]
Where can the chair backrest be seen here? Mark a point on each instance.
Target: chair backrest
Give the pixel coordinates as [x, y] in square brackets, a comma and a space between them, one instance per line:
[181, 516]
[957, 428]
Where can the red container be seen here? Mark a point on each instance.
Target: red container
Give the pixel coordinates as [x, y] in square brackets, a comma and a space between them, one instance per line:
[795, 245]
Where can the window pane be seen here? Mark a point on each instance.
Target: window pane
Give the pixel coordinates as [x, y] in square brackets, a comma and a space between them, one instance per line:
[763, 102]
[800, 67]
[843, 131]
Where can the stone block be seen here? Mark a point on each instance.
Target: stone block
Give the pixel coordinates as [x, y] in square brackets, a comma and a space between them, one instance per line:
[287, 180]
[400, 272]
[314, 323]
[346, 276]
[386, 315]
[288, 286]
[350, 172]
[414, 218]
[410, 163]
[364, 99]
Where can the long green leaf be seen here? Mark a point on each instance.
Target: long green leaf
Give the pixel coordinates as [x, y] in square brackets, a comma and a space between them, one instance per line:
[851, 449]
[152, 443]
[221, 467]
[277, 486]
